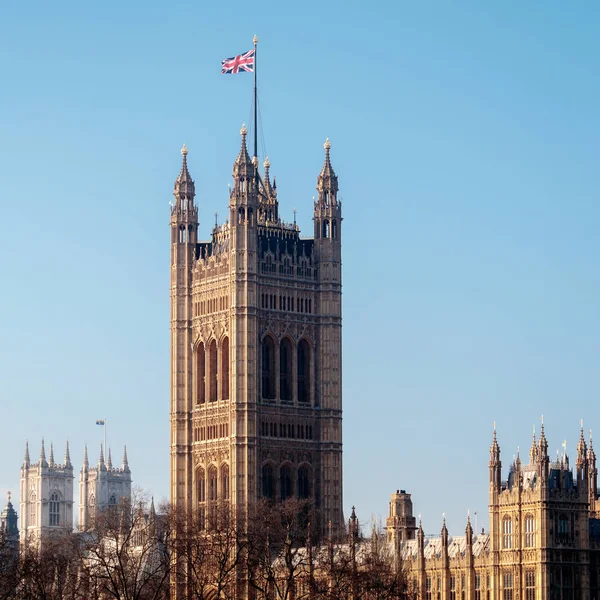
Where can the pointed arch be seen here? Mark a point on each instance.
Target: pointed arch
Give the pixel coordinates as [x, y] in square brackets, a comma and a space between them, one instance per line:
[304, 482]
[225, 362]
[268, 368]
[54, 509]
[268, 482]
[212, 484]
[285, 369]
[225, 482]
[304, 359]
[200, 485]
[286, 482]
[200, 374]
[212, 359]
[32, 509]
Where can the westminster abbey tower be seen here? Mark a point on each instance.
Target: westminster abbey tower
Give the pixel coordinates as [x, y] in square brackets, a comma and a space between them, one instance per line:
[256, 348]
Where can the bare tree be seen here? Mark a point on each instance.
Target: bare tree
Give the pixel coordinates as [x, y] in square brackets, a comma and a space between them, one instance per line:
[125, 554]
[279, 549]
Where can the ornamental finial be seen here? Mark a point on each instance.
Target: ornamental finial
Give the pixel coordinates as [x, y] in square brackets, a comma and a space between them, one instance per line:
[184, 150]
[266, 164]
[327, 145]
[243, 130]
[255, 40]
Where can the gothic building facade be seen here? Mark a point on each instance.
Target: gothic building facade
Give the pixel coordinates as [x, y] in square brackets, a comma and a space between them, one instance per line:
[46, 495]
[543, 541]
[256, 365]
[102, 486]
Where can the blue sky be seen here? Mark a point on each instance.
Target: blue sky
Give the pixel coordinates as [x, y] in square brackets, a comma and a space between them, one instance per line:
[465, 137]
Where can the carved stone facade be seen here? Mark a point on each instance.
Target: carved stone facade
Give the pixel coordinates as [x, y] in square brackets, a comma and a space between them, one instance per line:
[46, 495]
[102, 486]
[543, 542]
[256, 364]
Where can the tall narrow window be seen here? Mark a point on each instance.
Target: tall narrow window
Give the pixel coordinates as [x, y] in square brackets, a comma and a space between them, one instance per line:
[54, 510]
[334, 229]
[200, 374]
[303, 371]
[268, 368]
[112, 501]
[477, 586]
[212, 484]
[32, 509]
[201, 485]
[268, 483]
[285, 482]
[530, 585]
[507, 586]
[303, 483]
[506, 533]
[452, 587]
[285, 369]
[213, 370]
[225, 369]
[428, 588]
[529, 531]
[225, 482]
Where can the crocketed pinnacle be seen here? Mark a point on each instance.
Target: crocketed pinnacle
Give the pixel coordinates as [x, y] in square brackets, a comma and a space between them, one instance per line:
[26, 460]
[101, 458]
[184, 184]
[533, 449]
[86, 462]
[109, 460]
[67, 456]
[581, 446]
[591, 453]
[51, 459]
[267, 181]
[543, 443]
[327, 180]
[494, 448]
[125, 463]
[243, 159]
[43, 462]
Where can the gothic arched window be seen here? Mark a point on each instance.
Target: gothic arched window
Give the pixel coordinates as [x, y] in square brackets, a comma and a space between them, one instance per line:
[201, 485]
[268, 482]
[507, 533]
[54, 510]
[112, 501]
[268, 368]
[212, 484]
[285, 369]
[529, 531]
[225, 369]
[285, 482]
[225, 482]
[212, 355]
[334, 229]
[303, 371]
[303, 482]
[200, 374]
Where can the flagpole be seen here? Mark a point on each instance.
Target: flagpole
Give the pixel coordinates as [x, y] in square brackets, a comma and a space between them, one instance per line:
[255, 40]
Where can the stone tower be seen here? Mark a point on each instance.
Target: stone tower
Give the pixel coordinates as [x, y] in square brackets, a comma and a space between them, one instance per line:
[8, 524]
[256, 365]
[102, 486]
[46, 495]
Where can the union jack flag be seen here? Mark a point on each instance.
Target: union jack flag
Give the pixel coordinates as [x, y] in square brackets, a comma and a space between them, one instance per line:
[241, 62]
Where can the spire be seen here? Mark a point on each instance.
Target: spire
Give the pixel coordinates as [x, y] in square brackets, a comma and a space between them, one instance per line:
[152, 512]
[327, 180]
[581, 446]
[243, 163]
[495, 464]
[469, 528]
[184, 184]
[51, 460]
[43, 462]
[86, 462]
[125, 465]
[270, 192]
[68, 457]
[101, 458]
[543, 444]
[591, 453]
[26, 460]
[109, 460]
[533, 449]
[353, 524]
[444, 532]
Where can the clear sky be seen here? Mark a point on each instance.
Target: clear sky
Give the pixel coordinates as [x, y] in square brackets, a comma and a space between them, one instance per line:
[465, 137]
